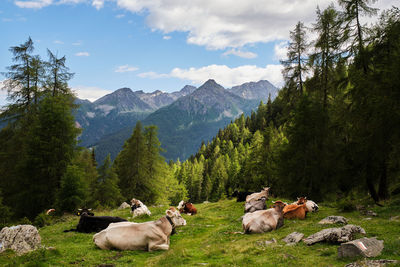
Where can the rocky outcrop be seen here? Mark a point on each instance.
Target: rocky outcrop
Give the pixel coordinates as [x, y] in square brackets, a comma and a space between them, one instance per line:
[335, 235]
[123, 206]
[293, 238]
[365, 247]
[333, 219]
[372, 263]
[21, 238]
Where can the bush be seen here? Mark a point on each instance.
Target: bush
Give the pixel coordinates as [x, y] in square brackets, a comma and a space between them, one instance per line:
[42, 219]
[346, 204]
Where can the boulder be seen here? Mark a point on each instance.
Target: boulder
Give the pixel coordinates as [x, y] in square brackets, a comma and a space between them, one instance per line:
[335, 235]
[123, 206]
[333, 219]
[293, 238]
[20, 238]
[371, 263]
[365, 247]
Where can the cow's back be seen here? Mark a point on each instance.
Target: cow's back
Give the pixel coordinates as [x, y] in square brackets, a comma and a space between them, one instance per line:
[260, 221]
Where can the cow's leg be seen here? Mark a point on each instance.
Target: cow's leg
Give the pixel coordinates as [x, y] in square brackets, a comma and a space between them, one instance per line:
[159, 247]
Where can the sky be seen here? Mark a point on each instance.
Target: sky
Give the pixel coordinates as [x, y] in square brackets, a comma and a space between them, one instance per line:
[157, 44]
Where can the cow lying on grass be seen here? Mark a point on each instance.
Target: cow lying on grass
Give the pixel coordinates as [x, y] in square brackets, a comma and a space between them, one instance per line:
[88, 223]
[241, 196]
[187, 208]
[311, 205]
[254, 205]
[294, 211]
[153, 235]
[256, 196]
[262, 221]
[138, 208]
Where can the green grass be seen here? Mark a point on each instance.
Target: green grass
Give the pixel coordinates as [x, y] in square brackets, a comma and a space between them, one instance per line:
[210, 239]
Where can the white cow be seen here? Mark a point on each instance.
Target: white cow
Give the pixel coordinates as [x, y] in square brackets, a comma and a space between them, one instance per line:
[153, 235]
[138, 208]
[261, 221]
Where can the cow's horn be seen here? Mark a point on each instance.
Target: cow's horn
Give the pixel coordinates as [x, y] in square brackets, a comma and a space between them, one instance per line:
[80, 209]
[89, 209]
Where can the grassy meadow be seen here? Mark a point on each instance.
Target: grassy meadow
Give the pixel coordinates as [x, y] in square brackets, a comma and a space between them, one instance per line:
[211, 238]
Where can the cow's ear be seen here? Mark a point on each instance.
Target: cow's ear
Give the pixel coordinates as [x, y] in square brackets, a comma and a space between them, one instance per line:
[305, 197]
[298, 198]
[273, 202]
[169, 213]
[89, 209]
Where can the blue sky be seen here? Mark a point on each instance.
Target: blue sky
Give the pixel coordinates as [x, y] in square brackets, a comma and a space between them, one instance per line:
[157, 44]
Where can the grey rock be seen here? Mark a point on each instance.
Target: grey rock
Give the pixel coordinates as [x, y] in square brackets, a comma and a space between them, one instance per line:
[123, 206]
[371, 213]
[293, 238]
[20, 238]
[335, 235]
[372, 263]
[333, 219]
[394, 218]
[365, 247]
[267, 242]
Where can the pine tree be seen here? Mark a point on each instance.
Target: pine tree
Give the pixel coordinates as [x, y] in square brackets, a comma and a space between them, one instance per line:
[58, 75]
[295, 66]
[107, 192]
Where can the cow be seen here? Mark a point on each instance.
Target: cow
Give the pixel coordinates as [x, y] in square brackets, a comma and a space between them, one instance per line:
[89, 223]
[138, 208]
[256, 196]
[311, 205]
[150, 236]
[294, 211]
[254, 205]
[187, 208]
[262, 221]
[241, 196]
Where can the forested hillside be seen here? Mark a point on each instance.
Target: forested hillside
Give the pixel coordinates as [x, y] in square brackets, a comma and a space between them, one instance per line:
[334, 128]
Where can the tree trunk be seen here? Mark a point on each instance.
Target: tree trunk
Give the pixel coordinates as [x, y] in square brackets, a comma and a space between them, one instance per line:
[383, 192]
[370, 183]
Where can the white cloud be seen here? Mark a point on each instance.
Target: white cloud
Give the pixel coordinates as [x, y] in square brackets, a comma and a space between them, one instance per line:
[240, 53]
[35, 4]
[98, 4]
[125, 68]
[220, 24]
[90, 93]
[166, 37]
[58, 42]
[82, 54]
[152, 75]
[78, 43]
[280, 50]
[223, 74]
[6, 20]
[120, 16]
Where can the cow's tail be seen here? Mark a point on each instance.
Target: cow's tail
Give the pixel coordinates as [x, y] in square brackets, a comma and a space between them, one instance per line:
[70, 230]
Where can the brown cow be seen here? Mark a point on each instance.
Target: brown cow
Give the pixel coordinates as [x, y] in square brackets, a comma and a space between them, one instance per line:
[294, 211]
[259, 195]
[262, 221]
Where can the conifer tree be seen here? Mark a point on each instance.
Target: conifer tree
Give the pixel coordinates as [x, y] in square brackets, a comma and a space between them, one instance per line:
[107, 192]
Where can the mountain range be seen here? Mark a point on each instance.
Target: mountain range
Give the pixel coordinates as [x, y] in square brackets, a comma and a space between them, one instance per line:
[184, 118]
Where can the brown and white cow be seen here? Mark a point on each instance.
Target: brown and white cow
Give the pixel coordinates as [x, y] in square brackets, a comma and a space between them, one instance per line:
[311, 205]
[256, 196]
[262, 221]
[187, 208]
[294, 211]
[153, 235]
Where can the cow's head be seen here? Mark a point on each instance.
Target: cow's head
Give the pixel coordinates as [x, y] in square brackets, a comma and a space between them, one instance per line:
[301, 200]
[278, 205]
[85, 211]
[181, 205]
[175, 217]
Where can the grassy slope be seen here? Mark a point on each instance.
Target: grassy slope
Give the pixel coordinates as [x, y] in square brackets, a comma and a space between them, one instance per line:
[209, 239]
